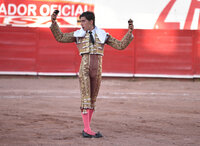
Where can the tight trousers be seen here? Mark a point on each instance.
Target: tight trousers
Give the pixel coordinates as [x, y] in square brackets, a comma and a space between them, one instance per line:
[90, 80]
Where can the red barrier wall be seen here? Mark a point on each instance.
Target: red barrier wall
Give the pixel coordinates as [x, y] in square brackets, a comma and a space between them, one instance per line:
[54, 56]
[18, 49]
[164, 52]
[197, 52]
[152, 52]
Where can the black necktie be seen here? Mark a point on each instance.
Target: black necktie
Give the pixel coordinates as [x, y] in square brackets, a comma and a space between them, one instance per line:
[91, 37]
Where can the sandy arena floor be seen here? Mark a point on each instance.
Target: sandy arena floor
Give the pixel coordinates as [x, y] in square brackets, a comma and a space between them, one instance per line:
[37, 111]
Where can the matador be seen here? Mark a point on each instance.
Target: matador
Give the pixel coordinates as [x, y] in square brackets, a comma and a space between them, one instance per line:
[90, 41]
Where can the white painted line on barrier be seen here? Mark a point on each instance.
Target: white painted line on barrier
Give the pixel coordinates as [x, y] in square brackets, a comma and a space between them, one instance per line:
[56, 74]
[17, 73]
[117, 75]
[103, 74]
[164, 76]
[197, 76]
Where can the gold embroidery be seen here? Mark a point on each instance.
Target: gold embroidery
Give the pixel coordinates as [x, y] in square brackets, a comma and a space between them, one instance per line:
[90, 80]
[86, 47]
[120, 45]
[62, 37]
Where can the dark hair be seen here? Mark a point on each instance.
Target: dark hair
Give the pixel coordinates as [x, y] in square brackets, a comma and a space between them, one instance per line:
[89, 16]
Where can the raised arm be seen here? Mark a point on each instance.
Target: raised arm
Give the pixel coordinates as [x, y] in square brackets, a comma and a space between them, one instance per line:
[126, 40]
[59, 36]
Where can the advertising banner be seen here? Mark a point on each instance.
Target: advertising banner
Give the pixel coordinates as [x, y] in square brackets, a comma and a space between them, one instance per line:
[146, 14]
[36, 13]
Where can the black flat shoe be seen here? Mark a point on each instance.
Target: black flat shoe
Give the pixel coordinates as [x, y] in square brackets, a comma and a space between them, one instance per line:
[97, 135]
[86, 135]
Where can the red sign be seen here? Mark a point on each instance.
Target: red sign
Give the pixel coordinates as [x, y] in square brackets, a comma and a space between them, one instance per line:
[36, 13]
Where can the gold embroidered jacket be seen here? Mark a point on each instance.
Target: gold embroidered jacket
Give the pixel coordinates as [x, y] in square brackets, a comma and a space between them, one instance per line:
[83, 43]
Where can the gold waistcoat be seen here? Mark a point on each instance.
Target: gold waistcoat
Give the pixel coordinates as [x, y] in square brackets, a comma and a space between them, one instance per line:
[85, 46]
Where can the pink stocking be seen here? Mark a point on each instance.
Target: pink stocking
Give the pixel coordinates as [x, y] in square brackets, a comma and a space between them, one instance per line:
[90, 114]
[86, 123]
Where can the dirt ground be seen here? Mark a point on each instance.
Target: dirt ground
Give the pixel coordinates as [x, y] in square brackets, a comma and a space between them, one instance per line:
[39, 111]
